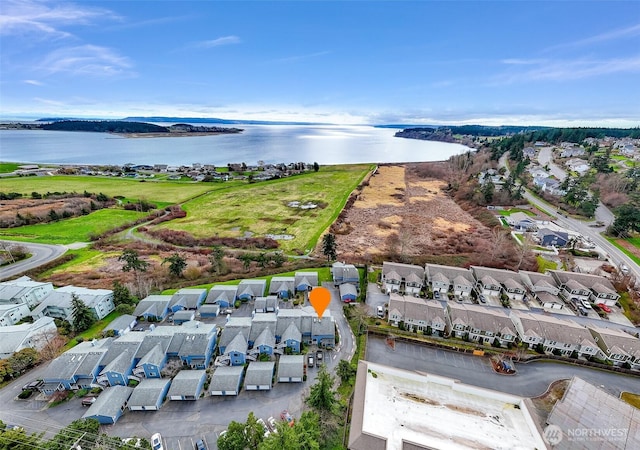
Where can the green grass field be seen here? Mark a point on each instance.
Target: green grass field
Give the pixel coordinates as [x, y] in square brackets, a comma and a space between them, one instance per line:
[261, 208]
[634, 241]
[77, 229]
[508, 212]
[8, 167]
[153, 191]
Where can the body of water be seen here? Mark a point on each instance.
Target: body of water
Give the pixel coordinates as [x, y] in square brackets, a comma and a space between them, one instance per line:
[269, 143]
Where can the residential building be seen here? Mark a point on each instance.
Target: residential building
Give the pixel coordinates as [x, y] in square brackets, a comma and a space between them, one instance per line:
[616, 346]
[14, 338]
[305, 281]
[187, 385]
[259, 376]
[250, 289]
[521, 221]
[345, 273]
[593, 288]
[12, 313]
[222, 294]
[226, 380]
[24, 290]
[110, 405]
[187, 299]
[492, 282]
[291, 369]
[450, 280]
[578, 165]
[543, 288]
[153, 307]
[182, 316]
[120, 325]
[267, 304]
[291, 338]
[149, 395]
[419, 315]
[480, 324]
[555, 335]
[402, 278]
[58, 303]
[282, 287]
[552, 238]
[348, 292]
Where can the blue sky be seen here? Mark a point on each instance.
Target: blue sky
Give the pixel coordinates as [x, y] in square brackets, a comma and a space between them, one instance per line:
[450, 62]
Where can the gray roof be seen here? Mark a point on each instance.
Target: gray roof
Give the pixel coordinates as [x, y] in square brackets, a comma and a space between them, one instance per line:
[595, 282]
[259, 373]
[195, 344]
[120, 323]
[209, 309]
[279, 284]
[291, 366]
[61, 298]
[291, 333]
[613, 337]
[153, 339]
[186, 383]
[13, 289]
[148, 392]
[226, 378]
[536, 281]
[222, 292]
[189, 298]
[128, 343]
[184, 315]
[554, 328]
[153, 304]
[343, 271]
[15, 336]
[265, 338]
[83, 359]
[110, 402]
[234, 326]
[585, 406]
[154, 356]
[261, 322]
[499, 275]
[237, 344]
[286, 317]
[254, 287]
[409, 272]
[309, 278]
[482, 318]
[347, 288]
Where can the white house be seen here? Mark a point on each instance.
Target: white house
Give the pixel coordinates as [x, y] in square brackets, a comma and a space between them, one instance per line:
[11, 314]
[58, 303]
[24, 290]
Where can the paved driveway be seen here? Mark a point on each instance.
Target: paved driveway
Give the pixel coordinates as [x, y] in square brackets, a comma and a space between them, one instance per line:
[531, 380]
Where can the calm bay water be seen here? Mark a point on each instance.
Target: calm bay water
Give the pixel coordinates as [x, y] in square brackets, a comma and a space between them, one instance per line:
[269, 143]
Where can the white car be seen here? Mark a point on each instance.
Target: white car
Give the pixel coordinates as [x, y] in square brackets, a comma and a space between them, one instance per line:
[272, 424]
[156, 442]
[585, 304]
[264, 427]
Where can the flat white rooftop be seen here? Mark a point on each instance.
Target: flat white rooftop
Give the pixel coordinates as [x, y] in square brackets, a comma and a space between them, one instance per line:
[405, 408]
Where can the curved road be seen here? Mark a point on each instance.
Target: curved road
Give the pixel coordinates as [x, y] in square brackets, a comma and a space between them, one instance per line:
[40, 254]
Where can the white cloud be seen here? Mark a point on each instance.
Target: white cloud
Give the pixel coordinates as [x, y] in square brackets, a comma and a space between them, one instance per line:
[33, 82]
[621, 33]
[87, 60]
[565, 70]
[45, 19]
[224, 40]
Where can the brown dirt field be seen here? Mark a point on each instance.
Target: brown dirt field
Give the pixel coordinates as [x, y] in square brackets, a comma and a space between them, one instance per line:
[400, 213]
[629, 246]
[40, 207]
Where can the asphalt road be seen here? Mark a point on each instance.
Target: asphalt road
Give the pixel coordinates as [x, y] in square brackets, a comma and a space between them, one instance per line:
[532, 379]
[41, 254]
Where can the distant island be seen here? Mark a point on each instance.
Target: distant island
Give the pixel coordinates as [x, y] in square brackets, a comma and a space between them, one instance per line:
[126, 128]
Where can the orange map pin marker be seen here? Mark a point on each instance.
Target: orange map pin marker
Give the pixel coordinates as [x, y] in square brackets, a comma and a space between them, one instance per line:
[320, 298]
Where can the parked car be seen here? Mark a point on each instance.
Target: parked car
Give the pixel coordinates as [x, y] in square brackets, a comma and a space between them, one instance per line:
[482, 298]
[273, 424]
[380, 311]
[436, 295]
[583, 311]
[319, 356]
[228, 311]
[156, 442]
[604, 307]
[88, 401]
[267, 432]
[310, 360]
[33, 385]
[200, 445]
[284, 415]
[585, 304]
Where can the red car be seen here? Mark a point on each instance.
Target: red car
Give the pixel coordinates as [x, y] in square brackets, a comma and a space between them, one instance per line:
[284, 415]
[604, 307]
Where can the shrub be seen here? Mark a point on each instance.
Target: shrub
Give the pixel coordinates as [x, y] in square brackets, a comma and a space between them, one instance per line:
[25, 394]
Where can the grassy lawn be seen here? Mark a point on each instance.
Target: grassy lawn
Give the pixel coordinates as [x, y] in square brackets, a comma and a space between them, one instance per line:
[545, 264]
[508, 212]
[261, 208]
[632, 399]
[324, 274]
[8, 167]
[93, 332]
[153, 191]
[635, 243]
[77, 229]
[629, 308]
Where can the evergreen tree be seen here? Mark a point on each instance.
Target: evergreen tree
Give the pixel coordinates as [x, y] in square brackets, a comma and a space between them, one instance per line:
[83, 318]
[177, 264]
[322, 397]
[329, 246]
[121, 295]
[215, 258]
